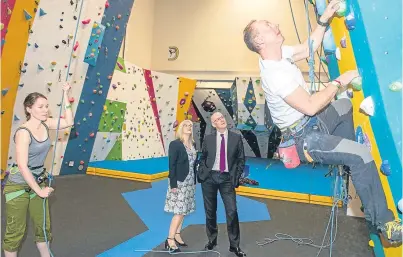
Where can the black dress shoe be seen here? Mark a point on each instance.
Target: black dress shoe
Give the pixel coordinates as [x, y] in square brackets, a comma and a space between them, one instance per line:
[180, 244]
[238, 252]
[210, 245]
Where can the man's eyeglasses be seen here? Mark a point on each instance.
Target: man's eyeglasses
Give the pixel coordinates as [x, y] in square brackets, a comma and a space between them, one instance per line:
[218, 119]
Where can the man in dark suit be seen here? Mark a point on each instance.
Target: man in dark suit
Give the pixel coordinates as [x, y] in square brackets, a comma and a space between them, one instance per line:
[221, 165]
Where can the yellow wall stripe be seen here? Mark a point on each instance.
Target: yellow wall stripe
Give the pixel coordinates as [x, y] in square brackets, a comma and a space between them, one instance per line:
[346, 63]
[187, 86]
[13, 54]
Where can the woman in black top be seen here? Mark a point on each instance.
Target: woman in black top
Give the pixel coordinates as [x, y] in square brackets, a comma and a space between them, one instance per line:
[180, 198]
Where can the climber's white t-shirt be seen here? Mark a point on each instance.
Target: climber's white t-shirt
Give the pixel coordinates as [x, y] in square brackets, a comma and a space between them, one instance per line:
[279, 79]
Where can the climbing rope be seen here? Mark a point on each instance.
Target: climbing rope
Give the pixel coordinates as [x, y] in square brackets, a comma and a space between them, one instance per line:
[299, 40]
[57, 130]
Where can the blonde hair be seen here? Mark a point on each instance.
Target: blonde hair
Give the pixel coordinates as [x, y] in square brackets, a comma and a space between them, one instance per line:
[179, 132]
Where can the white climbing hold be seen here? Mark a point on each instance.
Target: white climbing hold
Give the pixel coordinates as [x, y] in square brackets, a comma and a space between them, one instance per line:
[400, 205]
[338, 54]
[396, 86]
[367, 106]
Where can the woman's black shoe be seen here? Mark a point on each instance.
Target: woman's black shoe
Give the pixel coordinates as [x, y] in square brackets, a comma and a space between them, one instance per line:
[180, 244]
[168, 247]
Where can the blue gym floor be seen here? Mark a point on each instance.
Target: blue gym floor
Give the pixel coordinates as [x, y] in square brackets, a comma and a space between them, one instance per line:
[271, 174]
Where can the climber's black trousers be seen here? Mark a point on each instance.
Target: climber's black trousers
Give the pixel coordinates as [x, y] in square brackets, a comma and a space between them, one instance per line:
[332, 141]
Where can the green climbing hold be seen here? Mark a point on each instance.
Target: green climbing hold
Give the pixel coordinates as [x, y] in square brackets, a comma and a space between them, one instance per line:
[82, 101]
[98, 74]
[342, 8]
[357, 83]
[396, 86]
[108, 24]
[4, 91]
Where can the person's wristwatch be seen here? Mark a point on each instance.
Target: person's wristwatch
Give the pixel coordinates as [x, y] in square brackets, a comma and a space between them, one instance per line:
[324, 24]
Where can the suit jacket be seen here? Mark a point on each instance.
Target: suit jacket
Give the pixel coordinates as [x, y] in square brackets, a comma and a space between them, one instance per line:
[178, 163]
[235, 157]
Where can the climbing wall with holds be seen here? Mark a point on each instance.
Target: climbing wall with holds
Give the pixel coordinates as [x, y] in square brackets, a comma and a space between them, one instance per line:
[101, 51]
[164, 101]
[249, 105]
[51, 61]
[368, 37]
[208, 101]
[141, 138]
[6, 11]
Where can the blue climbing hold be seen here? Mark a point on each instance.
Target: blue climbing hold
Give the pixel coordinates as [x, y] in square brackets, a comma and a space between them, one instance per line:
[385, 168]
[350, 21]
[16, 118]
[40, 67]
[4, 91]
[27, 15]
[41, 12]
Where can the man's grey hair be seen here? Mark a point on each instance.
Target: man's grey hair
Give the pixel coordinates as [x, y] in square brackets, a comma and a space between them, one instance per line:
[249, 33]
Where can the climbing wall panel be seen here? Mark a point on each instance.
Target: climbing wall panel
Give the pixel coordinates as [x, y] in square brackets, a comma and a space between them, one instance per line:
[13, 53]
[48, 62]
[166, 90]
[96, 86]
[104, 142]
[250, 104]
[207, 101]
[186, 91]
[6, 12]
[141, 139]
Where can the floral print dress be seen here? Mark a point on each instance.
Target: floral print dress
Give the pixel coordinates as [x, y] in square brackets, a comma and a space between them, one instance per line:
[183, 201]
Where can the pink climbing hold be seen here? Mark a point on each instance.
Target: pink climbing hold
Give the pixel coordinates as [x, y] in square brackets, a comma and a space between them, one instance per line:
[119, 65]
[71, 99]
[106, 4]
[86, 21]
[75, 46]
[182, 101]
[92, 134]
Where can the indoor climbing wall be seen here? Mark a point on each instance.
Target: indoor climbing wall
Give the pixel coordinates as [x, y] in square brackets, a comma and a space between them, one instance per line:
[6, 11]
[368, 36]
[50, 61]
[94, 112]
[208, 101]
[248, 96]
[164, 90]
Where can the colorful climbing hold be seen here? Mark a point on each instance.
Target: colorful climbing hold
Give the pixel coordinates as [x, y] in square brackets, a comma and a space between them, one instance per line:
[4, 91]
[87, 21]
[342, 8]
[343, 42]
[396, 86]
[350, 21]
[367, 106]
[357, 83]
[41, 12]
[385, 168]
[27, 15]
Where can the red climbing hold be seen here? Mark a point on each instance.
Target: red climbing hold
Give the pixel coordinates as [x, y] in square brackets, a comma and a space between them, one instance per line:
[92, 134]
[75, 46]
[106, 4]
[81, 162]
[86, 21]
[71, 99]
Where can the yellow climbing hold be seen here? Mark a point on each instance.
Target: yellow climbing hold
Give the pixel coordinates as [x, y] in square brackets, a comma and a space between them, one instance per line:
[371, 243]
[104, 107]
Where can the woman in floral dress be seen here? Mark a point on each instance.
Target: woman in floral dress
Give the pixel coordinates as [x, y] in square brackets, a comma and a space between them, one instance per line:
[180, 198]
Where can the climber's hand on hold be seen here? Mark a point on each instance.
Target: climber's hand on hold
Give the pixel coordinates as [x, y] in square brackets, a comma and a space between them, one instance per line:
[330, 10]
[347, 77]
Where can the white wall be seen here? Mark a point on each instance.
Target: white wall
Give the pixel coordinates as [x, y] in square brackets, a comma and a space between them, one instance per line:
[139, 34]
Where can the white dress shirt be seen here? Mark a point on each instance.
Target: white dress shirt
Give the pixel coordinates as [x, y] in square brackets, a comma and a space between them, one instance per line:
[217, 155]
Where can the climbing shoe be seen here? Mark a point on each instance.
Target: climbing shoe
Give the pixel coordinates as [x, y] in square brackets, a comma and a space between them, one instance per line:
[392, 231]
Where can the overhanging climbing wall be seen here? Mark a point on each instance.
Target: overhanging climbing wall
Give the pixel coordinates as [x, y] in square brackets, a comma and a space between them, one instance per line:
[54, 52]
[369, 39]
[107, 37]
[207, 101]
